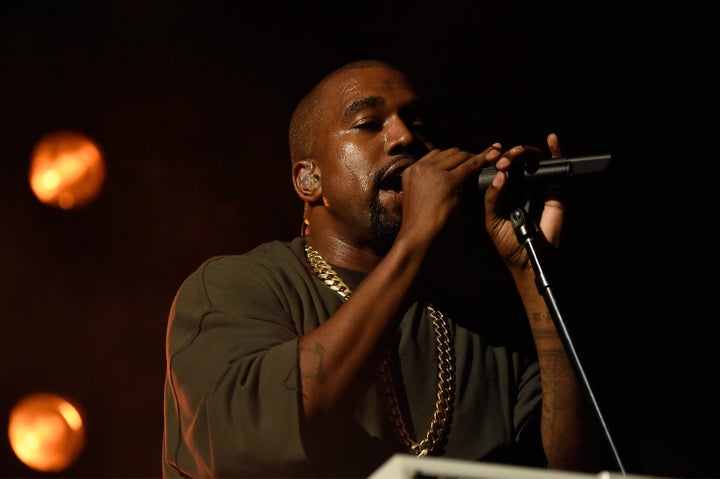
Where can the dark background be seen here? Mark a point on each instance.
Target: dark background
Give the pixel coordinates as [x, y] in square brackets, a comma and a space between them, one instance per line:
[189, 102]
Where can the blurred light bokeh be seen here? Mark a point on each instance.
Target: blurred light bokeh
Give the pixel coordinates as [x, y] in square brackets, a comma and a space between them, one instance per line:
[46, 432]
[67, 170]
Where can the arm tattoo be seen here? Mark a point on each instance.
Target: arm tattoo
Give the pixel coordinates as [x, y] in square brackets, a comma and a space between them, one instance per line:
[538, 316]
[318, 352]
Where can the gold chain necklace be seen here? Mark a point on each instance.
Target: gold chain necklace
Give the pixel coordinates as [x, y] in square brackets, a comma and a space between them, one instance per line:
[446, 369]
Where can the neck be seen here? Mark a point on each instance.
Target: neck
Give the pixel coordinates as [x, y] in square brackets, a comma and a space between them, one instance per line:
[343, 253]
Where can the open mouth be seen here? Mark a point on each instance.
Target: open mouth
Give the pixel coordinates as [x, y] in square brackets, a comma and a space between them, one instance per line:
[392, 179]
[392, 183]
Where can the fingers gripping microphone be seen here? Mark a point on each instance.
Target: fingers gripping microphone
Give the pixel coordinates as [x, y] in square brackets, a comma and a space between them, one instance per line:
[548, 172]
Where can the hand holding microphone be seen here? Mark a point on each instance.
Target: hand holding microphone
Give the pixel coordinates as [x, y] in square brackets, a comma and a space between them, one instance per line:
[528, 186]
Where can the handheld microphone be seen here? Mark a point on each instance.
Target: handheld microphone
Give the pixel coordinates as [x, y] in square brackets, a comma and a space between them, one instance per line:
[547, 172]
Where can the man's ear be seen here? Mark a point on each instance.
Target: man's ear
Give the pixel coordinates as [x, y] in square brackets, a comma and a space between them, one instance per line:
[306, 180]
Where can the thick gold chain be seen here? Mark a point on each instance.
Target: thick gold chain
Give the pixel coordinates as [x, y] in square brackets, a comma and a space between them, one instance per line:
[446, 367]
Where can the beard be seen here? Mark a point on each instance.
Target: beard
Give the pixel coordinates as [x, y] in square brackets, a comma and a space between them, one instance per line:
[384, 226]
[384, 223]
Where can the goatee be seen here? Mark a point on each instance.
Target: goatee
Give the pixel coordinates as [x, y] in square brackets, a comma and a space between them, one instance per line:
[384, 228]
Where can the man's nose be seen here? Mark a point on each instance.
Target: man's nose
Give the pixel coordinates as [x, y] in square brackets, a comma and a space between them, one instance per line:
[398, 135]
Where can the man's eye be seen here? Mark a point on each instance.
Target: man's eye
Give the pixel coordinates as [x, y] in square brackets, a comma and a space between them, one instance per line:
[369, 125]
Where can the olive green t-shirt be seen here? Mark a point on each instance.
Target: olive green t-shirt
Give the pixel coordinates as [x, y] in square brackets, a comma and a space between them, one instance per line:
[233, 398]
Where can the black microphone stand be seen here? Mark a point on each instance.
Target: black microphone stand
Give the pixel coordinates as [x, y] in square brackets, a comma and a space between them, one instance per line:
[528, 235]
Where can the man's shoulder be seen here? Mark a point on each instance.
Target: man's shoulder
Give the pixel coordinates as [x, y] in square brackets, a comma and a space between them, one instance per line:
[274, 256]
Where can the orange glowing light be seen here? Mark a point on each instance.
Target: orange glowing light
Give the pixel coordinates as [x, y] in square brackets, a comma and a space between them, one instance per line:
[46, 432]
[67, 170]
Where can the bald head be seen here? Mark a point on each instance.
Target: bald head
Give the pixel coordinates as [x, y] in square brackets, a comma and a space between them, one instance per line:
[305, 120]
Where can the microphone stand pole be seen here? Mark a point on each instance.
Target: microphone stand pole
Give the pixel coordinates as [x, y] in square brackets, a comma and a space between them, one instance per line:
[528, 235]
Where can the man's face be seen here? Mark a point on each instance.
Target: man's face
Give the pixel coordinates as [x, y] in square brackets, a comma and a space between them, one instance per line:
[371, 130]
